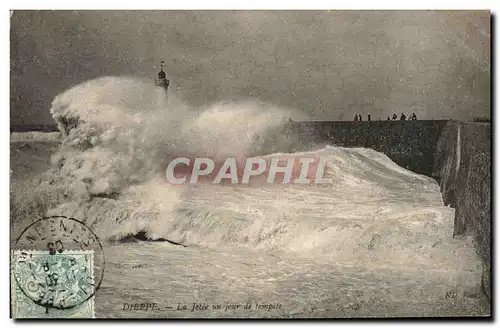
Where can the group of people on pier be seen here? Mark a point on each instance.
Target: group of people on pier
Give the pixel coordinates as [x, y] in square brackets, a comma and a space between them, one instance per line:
[358, 117]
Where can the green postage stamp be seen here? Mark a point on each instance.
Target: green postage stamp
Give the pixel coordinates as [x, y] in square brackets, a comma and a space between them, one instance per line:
[52, 285]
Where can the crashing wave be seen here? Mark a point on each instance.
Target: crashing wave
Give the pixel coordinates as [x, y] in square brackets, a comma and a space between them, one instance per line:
[118, 135]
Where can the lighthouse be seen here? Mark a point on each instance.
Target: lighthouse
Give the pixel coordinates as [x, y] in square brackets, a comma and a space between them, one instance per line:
[162, 80]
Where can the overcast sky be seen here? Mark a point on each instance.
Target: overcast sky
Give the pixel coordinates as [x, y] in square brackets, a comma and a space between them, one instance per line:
[328, 64]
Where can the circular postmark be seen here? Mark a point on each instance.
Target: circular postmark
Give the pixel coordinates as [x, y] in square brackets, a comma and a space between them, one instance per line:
[58, 262]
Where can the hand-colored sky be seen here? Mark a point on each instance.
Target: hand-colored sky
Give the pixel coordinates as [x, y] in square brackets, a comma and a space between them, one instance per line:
[328, 64]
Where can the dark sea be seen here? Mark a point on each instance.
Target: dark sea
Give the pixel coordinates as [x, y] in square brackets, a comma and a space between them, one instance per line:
[33, 127]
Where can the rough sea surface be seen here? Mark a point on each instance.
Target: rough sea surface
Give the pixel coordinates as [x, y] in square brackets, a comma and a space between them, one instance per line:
[377, 241]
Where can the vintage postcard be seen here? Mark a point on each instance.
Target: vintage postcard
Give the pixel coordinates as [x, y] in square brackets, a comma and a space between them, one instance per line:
[188, 164]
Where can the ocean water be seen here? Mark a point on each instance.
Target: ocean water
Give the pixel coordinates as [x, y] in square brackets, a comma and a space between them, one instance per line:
[376, 241]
